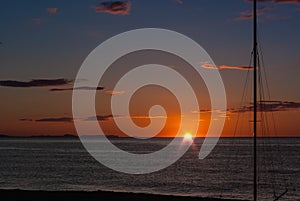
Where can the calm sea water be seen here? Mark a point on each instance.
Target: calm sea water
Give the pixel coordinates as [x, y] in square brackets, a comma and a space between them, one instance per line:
[63, 164]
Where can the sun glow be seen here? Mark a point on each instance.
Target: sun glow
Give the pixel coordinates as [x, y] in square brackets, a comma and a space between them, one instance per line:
[188, 137]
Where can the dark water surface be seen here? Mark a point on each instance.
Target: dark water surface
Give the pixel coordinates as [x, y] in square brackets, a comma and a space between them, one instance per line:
[63, 164]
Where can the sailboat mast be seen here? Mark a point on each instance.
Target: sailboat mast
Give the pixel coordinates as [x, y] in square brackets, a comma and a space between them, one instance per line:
[254, 101]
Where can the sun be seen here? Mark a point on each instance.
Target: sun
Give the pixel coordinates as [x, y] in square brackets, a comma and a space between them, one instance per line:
[188, 136]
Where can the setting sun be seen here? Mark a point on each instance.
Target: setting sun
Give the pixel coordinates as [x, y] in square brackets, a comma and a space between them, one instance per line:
[188, 136]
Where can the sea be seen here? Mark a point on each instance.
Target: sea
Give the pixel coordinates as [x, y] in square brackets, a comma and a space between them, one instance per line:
[63, 164]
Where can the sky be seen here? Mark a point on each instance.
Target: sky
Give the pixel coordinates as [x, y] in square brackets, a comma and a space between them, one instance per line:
[44, 43]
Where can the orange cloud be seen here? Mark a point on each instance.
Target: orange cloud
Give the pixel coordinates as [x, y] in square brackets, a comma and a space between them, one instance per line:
[236, 67]
[208, 65]
[52, 10]
[115, 7]
[112, 92]
[212, 66]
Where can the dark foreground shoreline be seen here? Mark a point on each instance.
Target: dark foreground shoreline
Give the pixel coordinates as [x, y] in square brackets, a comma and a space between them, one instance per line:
[24, 195]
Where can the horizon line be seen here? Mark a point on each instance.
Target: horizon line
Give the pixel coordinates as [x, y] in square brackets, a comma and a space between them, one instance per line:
[117, 136]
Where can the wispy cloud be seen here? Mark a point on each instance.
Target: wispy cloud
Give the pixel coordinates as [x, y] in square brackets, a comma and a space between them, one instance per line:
[107, 92]
[208, 65]
[218, 113]
[279, 1]
[206, 111]
[269, 106]
[262, 106]
[52, 10]
[114, 7]
[78, 88]
[60, 119]
[236, 67]
[100, 118]
[35, 83]
[221, 67]
[113, 92]
[262, 11]
[248, 14]
[109, 117]
[24, 119]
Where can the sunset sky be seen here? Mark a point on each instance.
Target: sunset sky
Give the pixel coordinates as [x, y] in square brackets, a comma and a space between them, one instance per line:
[43, 44]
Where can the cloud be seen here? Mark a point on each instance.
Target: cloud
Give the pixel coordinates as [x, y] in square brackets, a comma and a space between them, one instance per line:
[236, 67]
[248, 14]
[269, 106]
[262, 106]
[114, 7]
[217, 113]
[205, 111]
[208, 65]
[108, 92]
[279, 1]
[52, 10]
[109, 117]
[78, 88]
[37, 21]
[112, 92]
[60, 119]
[221, 67]
[100, 118]
[35, 83]
[26, 120]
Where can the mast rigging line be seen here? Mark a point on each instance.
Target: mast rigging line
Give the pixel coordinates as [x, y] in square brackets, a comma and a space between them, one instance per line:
[255, 100]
